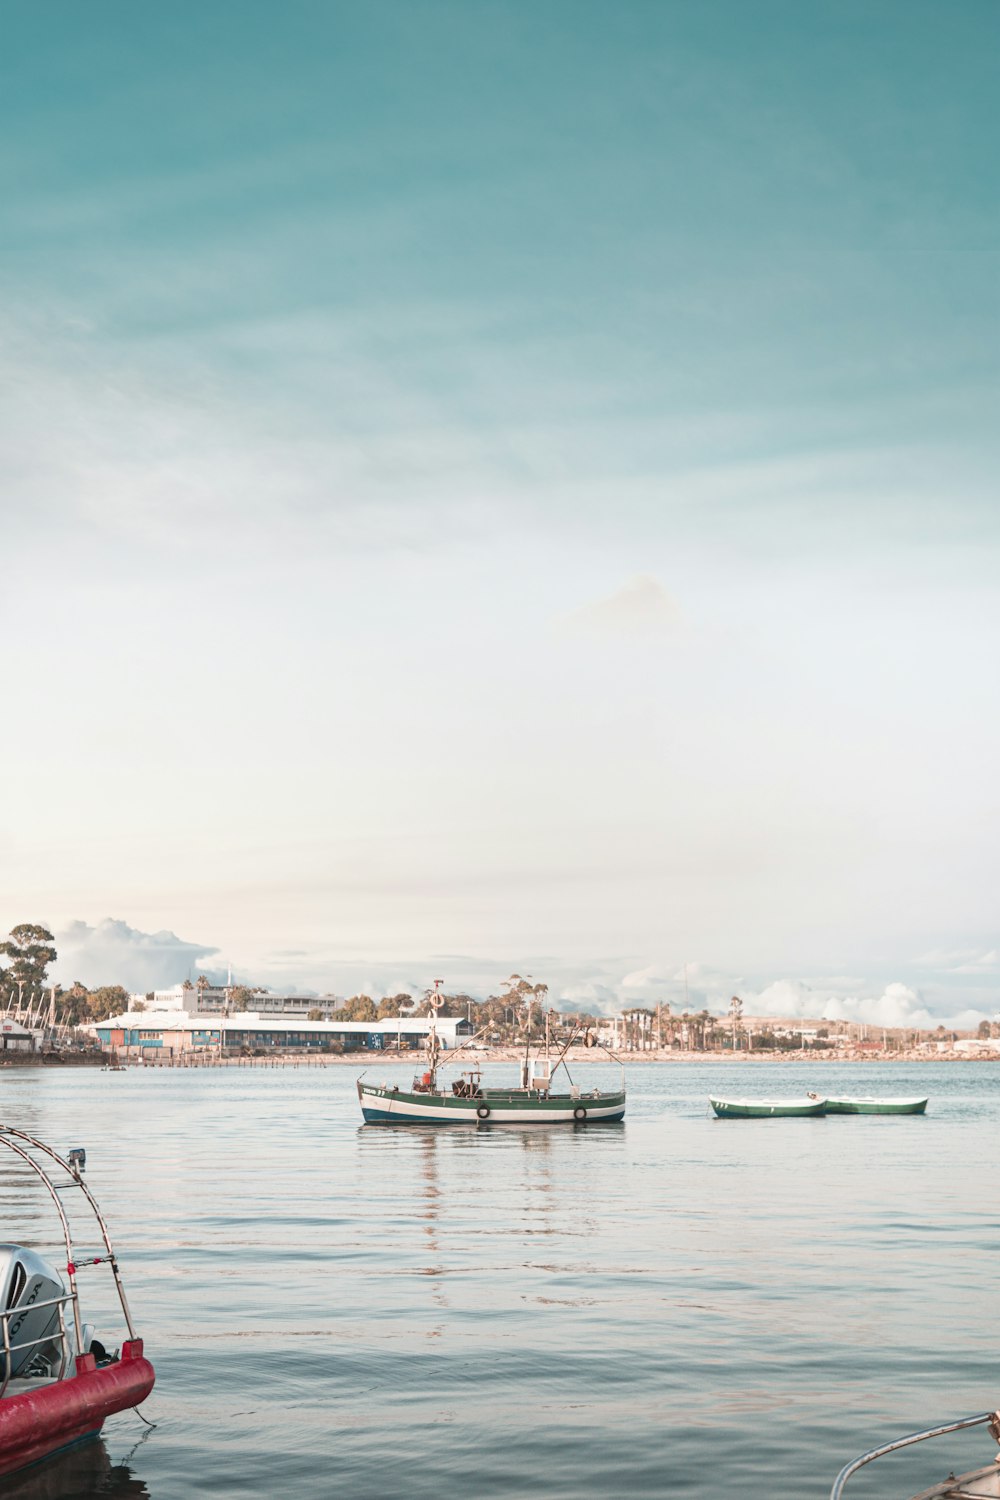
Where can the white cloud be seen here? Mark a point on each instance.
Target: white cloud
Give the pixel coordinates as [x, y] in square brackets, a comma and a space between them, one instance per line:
[176, 451]
[704, 986]
[643, 981]
[705, 977]
[784, 997]
[640, 608]
[586, 997]
[898, 1005]
[112, 952]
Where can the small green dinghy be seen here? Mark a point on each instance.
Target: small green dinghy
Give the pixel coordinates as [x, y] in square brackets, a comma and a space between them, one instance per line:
[876, 1106]
[767, 1109]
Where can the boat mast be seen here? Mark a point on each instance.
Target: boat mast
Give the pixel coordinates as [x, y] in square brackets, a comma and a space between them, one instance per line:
[435, 1002]
[433, 1051]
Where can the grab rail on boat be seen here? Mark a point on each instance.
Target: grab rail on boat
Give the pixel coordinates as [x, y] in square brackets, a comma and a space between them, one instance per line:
[21, 1144]
[62, 1337]
[992, 1417]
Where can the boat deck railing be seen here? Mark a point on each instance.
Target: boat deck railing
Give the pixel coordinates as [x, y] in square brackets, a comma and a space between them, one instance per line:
[534, 1092]
[980, 1420]
[46, 1166]
[65, 1347]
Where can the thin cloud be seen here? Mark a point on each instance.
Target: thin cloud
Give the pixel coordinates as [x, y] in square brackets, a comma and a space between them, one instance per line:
[983, 963]
[962, 960]
[640, 609]
[178, 450]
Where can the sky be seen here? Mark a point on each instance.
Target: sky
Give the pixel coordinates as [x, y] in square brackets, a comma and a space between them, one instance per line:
[505, 487]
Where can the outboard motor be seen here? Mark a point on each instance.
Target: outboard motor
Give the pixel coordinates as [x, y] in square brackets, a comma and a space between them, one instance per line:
[26, 1279]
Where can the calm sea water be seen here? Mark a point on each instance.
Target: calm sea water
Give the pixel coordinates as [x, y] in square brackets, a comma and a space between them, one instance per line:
[677, 1306]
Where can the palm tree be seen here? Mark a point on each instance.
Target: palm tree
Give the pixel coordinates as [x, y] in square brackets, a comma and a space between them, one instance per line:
[736, 1019]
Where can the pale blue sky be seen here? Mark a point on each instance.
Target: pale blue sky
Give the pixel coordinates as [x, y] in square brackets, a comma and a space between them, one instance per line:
[508, 481]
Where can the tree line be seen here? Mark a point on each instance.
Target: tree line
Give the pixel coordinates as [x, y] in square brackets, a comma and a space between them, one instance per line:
[504, 1014]
[30, 952]
[517, 1010]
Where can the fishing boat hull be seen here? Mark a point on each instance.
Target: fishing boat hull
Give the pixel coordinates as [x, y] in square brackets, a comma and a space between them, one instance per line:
[386, 1106]
[768, 1109]
[46, 1419]
[876, 1106]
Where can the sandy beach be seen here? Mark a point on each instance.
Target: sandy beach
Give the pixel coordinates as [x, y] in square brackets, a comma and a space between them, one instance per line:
[577, 1057]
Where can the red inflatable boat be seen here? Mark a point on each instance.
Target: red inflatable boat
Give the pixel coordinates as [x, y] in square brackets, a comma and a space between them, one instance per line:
[58, 1383]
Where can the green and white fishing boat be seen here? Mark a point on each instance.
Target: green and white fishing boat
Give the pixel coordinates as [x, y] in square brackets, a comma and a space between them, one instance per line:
[768, 1109]
[468, 1101]
[865, 1106]
[977, 1484]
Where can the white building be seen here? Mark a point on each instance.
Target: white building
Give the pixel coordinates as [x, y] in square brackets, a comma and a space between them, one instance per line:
[14, 1036]
[182, 1031]
[213, 1000]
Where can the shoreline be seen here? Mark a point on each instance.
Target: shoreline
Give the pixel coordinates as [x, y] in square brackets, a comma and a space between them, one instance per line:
[464, 1061]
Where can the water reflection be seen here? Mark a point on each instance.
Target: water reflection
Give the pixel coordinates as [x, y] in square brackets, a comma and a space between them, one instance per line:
[80, 1474]
[429, 1188]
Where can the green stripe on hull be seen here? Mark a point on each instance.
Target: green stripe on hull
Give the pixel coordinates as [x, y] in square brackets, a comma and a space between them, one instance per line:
[729, 1109]
[876, 1106]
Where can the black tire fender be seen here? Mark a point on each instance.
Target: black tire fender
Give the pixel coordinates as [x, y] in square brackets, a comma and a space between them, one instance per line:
[579, 1113]
[483, 1111]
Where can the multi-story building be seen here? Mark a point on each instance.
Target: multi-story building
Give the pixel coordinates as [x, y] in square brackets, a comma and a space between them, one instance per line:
[216, 1000]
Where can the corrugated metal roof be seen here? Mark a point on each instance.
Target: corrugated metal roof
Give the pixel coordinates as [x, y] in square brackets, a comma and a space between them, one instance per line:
[248, 1020]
